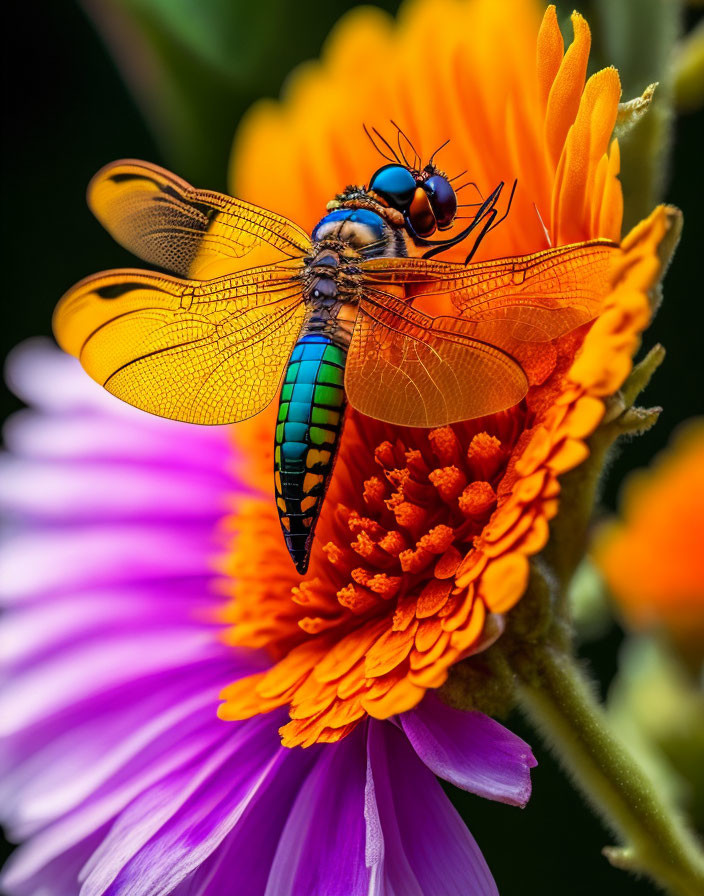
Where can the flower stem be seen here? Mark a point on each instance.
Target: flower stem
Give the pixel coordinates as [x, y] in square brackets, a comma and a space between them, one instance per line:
[560, 701]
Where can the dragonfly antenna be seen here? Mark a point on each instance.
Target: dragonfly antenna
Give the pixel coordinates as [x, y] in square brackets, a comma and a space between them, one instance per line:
[393, 157]
[442, 146]
[416, 157]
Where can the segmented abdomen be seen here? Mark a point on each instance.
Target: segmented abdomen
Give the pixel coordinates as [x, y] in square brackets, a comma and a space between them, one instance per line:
[311, 408]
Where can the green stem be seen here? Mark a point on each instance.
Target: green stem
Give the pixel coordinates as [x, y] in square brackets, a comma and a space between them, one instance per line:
[560, 701]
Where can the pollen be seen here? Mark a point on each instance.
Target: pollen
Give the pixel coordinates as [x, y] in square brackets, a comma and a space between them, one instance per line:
[484, 456]
[476, 499]
[410, 516]
[373, 493]
[450, 482]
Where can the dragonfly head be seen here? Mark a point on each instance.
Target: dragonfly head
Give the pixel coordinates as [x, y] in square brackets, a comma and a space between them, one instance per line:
[424, 197]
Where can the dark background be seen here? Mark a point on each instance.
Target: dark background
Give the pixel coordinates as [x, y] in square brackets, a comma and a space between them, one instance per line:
[67, 112]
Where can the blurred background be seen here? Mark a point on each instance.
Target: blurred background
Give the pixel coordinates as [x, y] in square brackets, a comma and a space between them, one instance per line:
[167, 81]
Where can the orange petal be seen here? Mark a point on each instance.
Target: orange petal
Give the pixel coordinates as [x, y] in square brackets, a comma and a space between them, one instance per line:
[566, 90]
[504, 582]
[549, 54]
[388, 651]
[433, 597]
[343, 655]
[400, 698]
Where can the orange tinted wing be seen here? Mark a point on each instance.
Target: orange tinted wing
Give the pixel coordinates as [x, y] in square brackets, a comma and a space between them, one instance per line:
[533, 298]
[209, 352]
[410, 369]
[169, 223]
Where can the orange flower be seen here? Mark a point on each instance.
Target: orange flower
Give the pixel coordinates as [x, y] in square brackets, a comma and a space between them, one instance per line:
[425, 537]
[653, 561]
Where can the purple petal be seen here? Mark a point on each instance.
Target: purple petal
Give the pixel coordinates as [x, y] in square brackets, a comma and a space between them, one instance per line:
[242, 863]
[87, 490]
[31, 630]
[45, 562]
[103, 751]
[321, 850]
[73, 828]
[60, 393]
[96, 759]
[55, 877]
[64, 679]
[471, 751]
[171, 829]
[427, 849]
[41, 375]
[97, 435]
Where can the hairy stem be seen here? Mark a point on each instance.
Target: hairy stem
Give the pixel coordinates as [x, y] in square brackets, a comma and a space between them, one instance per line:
[558, 698]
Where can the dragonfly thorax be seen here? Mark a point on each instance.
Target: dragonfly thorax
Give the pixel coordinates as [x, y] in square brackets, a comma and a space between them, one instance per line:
[331, 291]
[342, 240]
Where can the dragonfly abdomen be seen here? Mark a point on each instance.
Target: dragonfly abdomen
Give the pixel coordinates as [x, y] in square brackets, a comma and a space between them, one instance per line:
[311, 409]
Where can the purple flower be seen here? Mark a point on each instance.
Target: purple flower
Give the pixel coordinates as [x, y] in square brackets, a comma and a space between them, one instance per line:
[115, 768]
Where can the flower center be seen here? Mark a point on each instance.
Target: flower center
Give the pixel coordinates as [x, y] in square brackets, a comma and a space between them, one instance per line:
[380, 604]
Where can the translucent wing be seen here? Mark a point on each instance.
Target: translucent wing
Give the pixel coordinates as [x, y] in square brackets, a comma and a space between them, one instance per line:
[209, 352]
[533, 298]
[410, 369]
[169, 223]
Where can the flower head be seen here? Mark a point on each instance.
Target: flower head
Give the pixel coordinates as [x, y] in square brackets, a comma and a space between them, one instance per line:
[425, 538]
[115, 767]
[652, 559]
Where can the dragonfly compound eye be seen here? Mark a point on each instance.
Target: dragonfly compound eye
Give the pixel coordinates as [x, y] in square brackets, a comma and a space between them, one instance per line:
[443, 200]
[395, 185]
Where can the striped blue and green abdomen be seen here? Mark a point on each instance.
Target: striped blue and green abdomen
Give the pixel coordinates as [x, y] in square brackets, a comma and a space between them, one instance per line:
[311, 408]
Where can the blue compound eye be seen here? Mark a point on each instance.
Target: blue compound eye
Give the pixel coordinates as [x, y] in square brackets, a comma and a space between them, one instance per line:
[395, 184]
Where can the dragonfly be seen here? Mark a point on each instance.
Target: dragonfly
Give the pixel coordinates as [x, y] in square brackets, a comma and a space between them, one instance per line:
[358, 312]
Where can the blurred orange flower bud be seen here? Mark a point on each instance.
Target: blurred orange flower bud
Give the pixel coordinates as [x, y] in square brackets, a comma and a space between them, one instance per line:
[653, 561]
